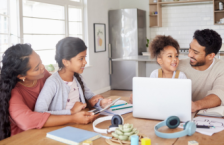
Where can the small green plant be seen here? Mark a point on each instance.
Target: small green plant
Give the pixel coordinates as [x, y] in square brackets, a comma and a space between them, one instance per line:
[50, 68]
[124, 132]
[147, 42]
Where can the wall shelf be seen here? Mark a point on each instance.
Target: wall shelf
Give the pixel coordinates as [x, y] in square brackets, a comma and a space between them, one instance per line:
[217, 14]
[178, 2]
[220, 11]
[156, 21]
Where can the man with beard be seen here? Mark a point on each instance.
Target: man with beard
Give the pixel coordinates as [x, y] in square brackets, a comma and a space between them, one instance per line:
[205, 71]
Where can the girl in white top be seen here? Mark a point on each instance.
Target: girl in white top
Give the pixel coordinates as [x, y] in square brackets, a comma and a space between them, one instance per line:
[166, 51]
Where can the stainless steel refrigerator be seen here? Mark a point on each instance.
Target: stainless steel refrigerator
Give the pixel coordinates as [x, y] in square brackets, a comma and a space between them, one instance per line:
[127, 37]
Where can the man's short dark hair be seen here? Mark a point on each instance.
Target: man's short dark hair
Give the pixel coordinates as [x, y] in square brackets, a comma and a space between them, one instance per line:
[210, 39]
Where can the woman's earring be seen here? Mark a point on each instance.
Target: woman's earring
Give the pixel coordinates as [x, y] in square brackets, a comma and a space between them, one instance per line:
[23, 80]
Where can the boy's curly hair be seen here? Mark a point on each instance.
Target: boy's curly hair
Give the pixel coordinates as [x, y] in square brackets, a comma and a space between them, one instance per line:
[160, 42]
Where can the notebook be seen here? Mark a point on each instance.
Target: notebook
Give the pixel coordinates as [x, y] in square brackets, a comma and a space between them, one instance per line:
[109, 112]
[72, 135]
[216, 112]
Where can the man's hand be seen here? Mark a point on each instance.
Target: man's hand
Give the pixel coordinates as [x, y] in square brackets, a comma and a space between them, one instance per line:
[194, 106]
[130, 99]
[78, 107]
[94, 100]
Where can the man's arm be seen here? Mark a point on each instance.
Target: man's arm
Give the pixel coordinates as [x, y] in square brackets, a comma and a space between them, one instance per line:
[209, 101]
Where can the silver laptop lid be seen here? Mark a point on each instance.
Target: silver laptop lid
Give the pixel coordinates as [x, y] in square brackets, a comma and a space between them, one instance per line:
[158, 98]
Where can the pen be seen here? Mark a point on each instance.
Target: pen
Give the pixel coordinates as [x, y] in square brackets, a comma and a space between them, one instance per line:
[118, 105]
[204, 126]
[121, 108]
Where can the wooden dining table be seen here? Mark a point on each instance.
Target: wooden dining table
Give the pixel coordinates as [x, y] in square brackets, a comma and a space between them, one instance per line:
[145, 127]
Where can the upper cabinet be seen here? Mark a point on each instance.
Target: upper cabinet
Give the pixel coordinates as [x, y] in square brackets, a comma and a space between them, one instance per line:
[155, 11]
[218, 12]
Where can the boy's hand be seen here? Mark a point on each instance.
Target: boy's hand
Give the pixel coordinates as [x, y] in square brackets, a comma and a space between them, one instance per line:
[105, 102]
[78, 107]
[94, 100]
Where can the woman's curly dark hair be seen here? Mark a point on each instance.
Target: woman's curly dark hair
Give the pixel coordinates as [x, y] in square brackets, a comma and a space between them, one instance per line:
[15, 62]
[210, 39]
[160, 42]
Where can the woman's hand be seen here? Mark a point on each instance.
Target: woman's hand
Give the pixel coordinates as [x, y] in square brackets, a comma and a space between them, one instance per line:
[78, 107]
[94, 100]
[130, 99]
[105, 102]
[83, 117]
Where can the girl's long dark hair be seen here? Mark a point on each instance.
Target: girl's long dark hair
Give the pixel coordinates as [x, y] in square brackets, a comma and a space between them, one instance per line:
[68, 48]
[15, 62]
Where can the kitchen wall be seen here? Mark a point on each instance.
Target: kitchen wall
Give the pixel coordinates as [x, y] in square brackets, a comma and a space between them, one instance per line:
[96, 76]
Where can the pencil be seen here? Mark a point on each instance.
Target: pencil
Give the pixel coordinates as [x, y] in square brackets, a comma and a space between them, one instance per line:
[204, 126]
[118, 105]
[122, 108]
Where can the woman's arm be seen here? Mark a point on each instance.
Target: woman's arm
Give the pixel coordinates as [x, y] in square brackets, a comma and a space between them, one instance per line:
[27, 119]
[23, 116]
[79, 118]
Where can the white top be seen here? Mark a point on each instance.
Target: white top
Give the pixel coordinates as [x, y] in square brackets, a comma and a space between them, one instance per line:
[211, 64]
[73, 96]
[154, 74]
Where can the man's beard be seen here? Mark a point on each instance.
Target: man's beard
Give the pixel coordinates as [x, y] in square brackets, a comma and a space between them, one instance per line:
[198, 63]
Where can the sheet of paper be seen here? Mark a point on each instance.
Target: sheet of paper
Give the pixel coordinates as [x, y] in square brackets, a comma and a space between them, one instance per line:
[218, 124]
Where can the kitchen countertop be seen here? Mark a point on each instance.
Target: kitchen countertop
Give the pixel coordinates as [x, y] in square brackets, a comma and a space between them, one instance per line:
[142, 58]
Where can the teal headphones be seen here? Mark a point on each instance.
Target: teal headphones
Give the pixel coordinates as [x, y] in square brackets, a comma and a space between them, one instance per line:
[173, 122]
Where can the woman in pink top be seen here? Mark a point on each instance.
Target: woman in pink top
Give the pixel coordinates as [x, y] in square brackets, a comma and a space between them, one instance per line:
[22, 78]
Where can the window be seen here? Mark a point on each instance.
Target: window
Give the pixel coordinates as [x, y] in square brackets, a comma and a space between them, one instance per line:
[8, 24]
[43, 27]
[41, 23]
[44, 24]
[75, 22]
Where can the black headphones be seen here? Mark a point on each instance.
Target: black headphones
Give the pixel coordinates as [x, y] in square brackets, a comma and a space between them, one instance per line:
[116, 120]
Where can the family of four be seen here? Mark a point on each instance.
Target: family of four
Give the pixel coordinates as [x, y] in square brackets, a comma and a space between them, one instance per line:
[30, 97]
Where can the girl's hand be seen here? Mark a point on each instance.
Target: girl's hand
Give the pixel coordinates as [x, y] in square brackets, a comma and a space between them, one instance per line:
[84, 117]
[94, 100]
[130, 99]
[105, 102]
[78, 107]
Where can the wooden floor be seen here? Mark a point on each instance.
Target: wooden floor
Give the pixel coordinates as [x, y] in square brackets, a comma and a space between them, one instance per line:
[116, 93]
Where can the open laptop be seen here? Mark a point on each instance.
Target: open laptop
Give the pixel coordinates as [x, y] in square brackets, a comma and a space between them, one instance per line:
[159, 98]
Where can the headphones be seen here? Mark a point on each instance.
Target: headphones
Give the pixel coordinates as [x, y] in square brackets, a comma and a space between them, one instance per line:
[173, 122]
[115, 121]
